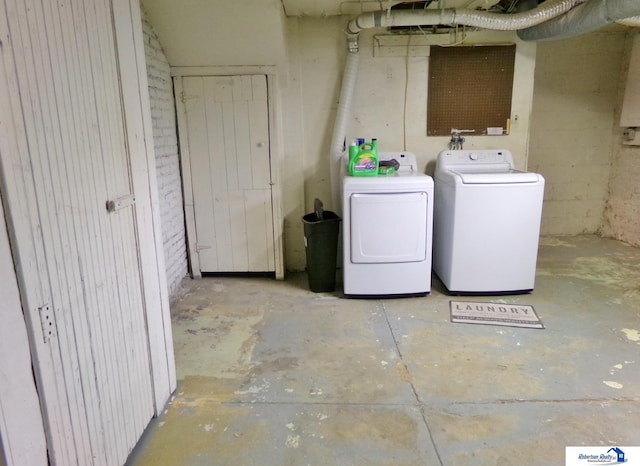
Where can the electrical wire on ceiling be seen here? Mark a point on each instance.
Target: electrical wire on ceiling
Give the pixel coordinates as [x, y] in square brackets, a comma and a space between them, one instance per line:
[409, 6]
[505, 6]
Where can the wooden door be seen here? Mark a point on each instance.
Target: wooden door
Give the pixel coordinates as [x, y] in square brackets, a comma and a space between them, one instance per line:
[65, 160]
[226, 123]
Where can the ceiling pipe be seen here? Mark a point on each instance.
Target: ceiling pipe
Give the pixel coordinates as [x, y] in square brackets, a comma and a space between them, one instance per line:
[633, 22]
[584, 18]
[481, 19]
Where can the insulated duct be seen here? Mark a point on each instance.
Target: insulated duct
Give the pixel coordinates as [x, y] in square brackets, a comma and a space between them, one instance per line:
[349, 78]
[482, 19]
[582, 19]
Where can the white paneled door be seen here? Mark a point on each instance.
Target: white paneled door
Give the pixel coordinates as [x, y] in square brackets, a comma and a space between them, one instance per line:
[227, 153]
[68, 158]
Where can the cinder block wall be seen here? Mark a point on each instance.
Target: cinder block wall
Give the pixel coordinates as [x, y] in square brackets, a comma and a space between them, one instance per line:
[571, 142]
[165, 141]
[622, 212]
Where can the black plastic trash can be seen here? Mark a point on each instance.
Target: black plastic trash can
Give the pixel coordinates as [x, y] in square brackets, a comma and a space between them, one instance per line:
[321, 230]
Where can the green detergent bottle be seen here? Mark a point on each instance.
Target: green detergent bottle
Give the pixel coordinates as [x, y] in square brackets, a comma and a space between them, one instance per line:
[363, 159]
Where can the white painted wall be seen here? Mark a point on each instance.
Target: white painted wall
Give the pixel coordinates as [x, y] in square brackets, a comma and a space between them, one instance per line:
[165, 142]
[293, 163]
[575, 98]
[228, 33]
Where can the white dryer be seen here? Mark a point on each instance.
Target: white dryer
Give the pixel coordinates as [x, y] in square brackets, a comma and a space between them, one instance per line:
[387, 228]
[486, 222]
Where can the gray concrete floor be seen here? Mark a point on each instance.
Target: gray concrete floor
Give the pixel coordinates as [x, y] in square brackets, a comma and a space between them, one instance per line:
[273, 374]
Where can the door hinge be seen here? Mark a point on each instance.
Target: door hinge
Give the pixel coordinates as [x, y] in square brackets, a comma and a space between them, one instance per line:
[184, 97]
[47, 322]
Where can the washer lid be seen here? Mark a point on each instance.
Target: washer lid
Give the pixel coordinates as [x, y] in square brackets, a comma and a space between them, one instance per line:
[495, 176]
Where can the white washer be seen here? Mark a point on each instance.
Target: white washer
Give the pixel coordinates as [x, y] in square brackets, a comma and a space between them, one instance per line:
[486, 222]
[387, 230]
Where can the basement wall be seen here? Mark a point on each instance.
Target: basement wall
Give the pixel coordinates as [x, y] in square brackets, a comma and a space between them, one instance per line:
[575, 100]
[165, 141]
[390, 103]
[565, 97]
[622, 209]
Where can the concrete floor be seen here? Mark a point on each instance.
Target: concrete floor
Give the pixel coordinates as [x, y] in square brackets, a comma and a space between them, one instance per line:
[273, 374]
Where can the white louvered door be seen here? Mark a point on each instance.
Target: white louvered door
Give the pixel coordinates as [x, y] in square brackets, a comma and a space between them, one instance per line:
[227, 125]
[80, 269]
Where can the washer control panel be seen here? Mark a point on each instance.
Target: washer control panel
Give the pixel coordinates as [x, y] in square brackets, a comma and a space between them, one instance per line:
[457, 157]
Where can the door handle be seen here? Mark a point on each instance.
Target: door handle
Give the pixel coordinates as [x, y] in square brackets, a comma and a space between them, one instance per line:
[120, 203]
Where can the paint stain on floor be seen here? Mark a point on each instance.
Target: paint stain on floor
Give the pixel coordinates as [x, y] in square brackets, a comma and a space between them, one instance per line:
[631, 334]
[272, 374]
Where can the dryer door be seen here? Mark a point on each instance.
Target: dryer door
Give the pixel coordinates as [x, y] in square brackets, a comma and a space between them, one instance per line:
[388, 227]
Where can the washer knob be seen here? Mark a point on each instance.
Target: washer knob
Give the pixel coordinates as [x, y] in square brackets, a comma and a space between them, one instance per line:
[473, 156]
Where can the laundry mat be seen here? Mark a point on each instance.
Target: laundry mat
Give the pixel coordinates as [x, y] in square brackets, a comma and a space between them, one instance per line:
[509, 315]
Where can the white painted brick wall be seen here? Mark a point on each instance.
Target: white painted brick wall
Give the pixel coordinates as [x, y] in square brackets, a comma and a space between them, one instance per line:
[165, 141]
